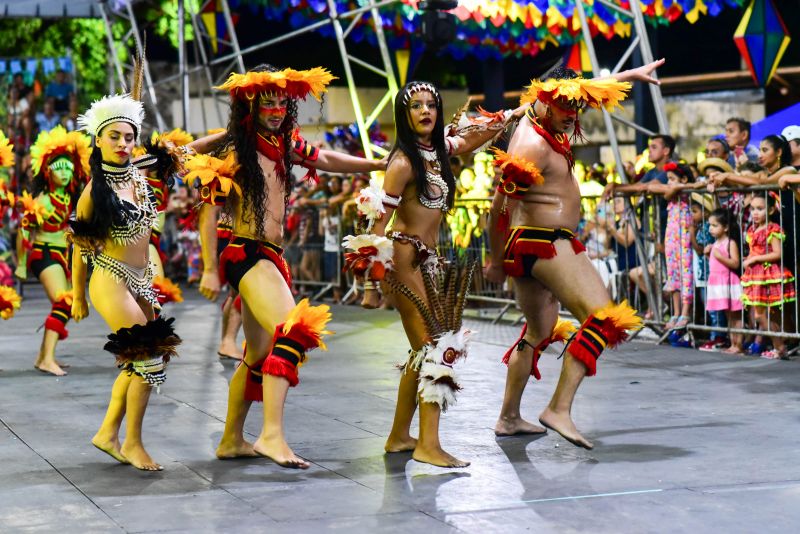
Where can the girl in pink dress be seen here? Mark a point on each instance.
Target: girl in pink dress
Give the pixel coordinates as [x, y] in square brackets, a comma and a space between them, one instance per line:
[724, 288]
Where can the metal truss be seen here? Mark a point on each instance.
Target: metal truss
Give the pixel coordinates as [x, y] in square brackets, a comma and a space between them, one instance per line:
[131, 38]
[639, 40]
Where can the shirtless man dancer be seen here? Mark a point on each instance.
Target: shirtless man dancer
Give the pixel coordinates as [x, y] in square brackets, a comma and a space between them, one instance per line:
[261, 144]
[540, 200]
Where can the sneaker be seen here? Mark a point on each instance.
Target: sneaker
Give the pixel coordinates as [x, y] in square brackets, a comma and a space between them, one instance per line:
[710, 346]
[755, 348]
[772, 354]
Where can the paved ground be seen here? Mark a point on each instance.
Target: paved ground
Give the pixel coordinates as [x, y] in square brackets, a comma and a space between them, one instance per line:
[685, 441]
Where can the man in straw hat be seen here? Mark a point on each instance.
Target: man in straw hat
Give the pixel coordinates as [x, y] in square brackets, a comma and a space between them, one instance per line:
[260, 146]
[533, 220]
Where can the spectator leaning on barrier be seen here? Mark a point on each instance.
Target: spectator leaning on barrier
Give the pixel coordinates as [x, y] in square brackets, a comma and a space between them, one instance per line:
[718, 148]
[737, 134]
[792, 136]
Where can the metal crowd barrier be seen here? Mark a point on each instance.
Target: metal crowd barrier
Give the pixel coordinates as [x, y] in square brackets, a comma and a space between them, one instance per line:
[463, 236]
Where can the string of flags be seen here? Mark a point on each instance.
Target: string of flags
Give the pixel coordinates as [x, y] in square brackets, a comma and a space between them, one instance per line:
[31, 65]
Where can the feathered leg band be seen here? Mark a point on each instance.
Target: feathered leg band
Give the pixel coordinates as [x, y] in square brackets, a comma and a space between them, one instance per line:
[60, 314]
[607, 327]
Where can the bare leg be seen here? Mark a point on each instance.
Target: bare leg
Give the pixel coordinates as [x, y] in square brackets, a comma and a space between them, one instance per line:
[133, 448]
[263, 312]
[272, 443]
[107, 437]
[54, 281]
[428, 449]
[541, 312]
[231, 322]
[233, 444]
[578, 286]
[114, 303]
[400, 439]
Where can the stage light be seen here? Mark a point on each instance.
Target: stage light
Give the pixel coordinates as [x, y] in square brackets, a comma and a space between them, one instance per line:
[438, 27]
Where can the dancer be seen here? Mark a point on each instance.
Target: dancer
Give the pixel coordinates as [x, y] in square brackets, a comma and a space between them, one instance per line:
[60, 165]
[419, 188]
[154, 162]
[539, 197]
[262, 144]
[116, 214]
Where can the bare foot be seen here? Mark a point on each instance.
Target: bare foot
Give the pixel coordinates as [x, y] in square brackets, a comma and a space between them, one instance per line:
[229, 451]
[110, 447]
[51, 368]
[139, 458]
[406, 444]
[563, 425]
[228, 350]
[733, 350]
[437, 457]
[516, 425]
[62, 364]
[277, 450]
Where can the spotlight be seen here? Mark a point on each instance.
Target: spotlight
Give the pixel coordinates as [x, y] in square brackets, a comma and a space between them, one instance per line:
[438, 27]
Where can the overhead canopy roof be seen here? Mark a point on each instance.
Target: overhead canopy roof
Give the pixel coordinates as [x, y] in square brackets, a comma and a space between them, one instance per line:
[49, 8]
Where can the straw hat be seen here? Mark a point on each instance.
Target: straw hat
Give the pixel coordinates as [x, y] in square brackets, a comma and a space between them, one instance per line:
[714, 163]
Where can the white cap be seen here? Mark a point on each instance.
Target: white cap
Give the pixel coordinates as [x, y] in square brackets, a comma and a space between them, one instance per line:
[791, 132]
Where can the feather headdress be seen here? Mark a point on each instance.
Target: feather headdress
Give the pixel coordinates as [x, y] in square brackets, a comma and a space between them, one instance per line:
[289, 82]
[58, 142]
[6, 151]
[113, 108]
[605, 92]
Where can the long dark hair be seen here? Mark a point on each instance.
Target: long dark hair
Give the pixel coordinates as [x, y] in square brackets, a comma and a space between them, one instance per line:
[108, 207]
[726, 218]
[777, 142]
[406, 142]
[241, 136]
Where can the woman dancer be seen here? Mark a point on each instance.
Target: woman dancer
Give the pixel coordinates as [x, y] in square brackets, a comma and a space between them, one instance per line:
[116, 215]
[419, 188]
[60, 163]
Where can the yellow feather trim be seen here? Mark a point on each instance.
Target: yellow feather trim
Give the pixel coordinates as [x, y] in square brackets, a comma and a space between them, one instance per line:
[207, 168]
[59, 142]
[138, 150]
[6, 151]
[293, 83]
[562, 331]
[177, 137]
[606, 92]
[622, 315]
[313, 318]
[31, 208]
[9, 301]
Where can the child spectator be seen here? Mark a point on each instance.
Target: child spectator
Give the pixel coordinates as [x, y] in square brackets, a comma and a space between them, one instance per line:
[766, 284]
[723, 290]
[702, 206]
[677, 242]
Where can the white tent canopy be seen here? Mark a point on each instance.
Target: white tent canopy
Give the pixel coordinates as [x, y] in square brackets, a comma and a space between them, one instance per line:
[49, 8]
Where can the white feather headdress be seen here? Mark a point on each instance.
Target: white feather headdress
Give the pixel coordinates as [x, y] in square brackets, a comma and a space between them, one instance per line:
[113, 108]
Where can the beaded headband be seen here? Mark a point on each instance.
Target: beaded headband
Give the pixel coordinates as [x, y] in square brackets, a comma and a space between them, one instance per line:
[419, 87]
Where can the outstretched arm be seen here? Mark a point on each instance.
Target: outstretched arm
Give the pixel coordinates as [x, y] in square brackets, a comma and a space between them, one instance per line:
[333, 161]
[480, 133]
[645, 73]
[206, 144]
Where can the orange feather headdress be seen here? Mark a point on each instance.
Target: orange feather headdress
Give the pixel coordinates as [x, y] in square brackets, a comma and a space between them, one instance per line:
[605, 92]
[289, 82]
[58, 142]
